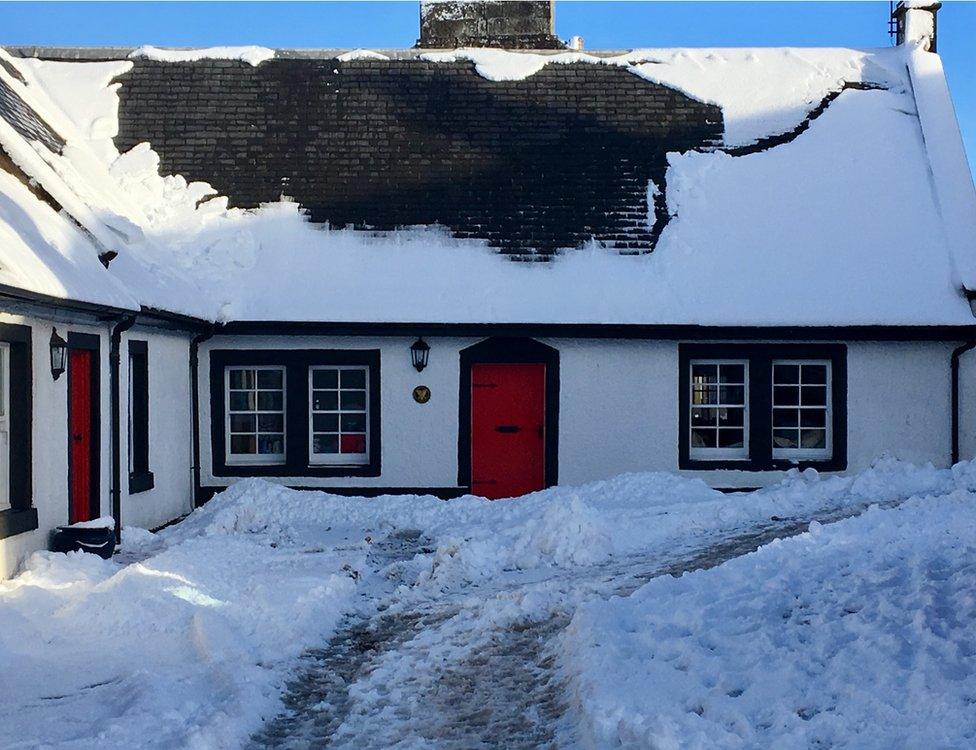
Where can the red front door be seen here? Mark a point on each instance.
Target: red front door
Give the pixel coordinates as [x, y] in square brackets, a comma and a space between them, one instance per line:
[80, 442]
[508, 418]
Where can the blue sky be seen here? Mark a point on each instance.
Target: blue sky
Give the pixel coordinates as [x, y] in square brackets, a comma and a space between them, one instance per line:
[394, 24]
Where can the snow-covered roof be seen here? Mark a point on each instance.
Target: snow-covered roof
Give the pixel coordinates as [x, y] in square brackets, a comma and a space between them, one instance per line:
[839, 196]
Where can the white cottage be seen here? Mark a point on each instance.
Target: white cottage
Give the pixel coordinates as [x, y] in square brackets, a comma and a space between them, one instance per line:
[495, 269]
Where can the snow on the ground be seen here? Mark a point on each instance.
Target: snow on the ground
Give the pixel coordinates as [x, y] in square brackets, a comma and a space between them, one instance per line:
[250, 54]
[190, 646]
[184, 649]
[857, 634]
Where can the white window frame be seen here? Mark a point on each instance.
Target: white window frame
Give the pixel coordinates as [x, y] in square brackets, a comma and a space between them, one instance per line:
[804, 454]
[5, 427]
[718, 454]
[255, 459]
[337, 459]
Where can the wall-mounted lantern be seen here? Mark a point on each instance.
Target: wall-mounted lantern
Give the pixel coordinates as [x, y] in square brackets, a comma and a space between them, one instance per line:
[419, 352]
[59, 354]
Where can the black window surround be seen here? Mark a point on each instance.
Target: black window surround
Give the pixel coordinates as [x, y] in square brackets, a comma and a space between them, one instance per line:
[21, 516]
[760, 358]
[296, 363]
[141, 479]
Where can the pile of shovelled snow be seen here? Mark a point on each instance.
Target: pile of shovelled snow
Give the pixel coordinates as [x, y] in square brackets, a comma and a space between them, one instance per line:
[858, 634]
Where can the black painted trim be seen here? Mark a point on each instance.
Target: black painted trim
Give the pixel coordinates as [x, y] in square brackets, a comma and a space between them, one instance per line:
[15, 521]
[444, 493]
[21, 516]
[505, 350]
[141, 479]
[296, 362]
[608, 331]
[760, 358]
[91, 342]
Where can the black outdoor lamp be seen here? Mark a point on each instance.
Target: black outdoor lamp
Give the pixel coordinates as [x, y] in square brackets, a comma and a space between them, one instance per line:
[59, 354]
[419, 351]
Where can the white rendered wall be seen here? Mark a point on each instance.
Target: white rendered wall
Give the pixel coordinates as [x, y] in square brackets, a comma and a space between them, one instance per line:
[619, 409]
[170, 434]
[418, 445]
[50, 440]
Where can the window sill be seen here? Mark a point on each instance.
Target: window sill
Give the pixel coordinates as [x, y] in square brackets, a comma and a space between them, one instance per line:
[142, 481]
[299, 470]
[15, 521]
[778, 464]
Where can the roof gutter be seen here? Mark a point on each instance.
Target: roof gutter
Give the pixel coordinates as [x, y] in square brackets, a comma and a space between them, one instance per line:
[115, 362]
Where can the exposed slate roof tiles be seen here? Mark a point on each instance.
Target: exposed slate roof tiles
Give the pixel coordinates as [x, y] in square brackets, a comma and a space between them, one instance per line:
[25, 120]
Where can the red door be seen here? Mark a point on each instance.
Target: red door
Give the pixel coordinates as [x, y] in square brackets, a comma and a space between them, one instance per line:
[80, 413]
[508, 429]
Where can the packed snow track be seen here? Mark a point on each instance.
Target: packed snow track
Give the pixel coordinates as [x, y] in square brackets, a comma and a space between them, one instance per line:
[431, 674]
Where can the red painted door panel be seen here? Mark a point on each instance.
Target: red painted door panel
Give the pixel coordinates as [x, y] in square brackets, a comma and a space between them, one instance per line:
[508, 429]
[80, 434]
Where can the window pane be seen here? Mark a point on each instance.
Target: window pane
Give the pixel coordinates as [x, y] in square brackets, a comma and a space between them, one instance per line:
[242, 444]
[704, 373]
[785, 417]
[786, 374]
[813, 374]
[785, 438]
[354, 423]
[353, 378]
[786, 395]
[325, 444]
[270, 400]
[242, 423]
[814, 439]
[704, 394]
[353, 444]
[732, 394]
[732, 373]
[269, 379]
[271, 422]
[353, 401]
[325, 378]
[704, 417]
[813, 418]
[730, 417]
[242, 379]
[325, 400]
[270, 444]
[704, 438]
[814, 395]
[242, 401]
[325, 422]
[730, 438]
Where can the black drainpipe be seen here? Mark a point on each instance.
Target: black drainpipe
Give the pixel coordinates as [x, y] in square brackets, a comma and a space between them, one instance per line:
[195, 397]
[954, 369]
[115, 361]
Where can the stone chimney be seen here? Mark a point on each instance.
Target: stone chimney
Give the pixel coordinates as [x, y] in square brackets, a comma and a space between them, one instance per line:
[509, 24]
[915, 22]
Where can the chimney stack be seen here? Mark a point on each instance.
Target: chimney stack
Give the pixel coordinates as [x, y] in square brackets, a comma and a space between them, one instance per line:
[508, 24]
[915, 23]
